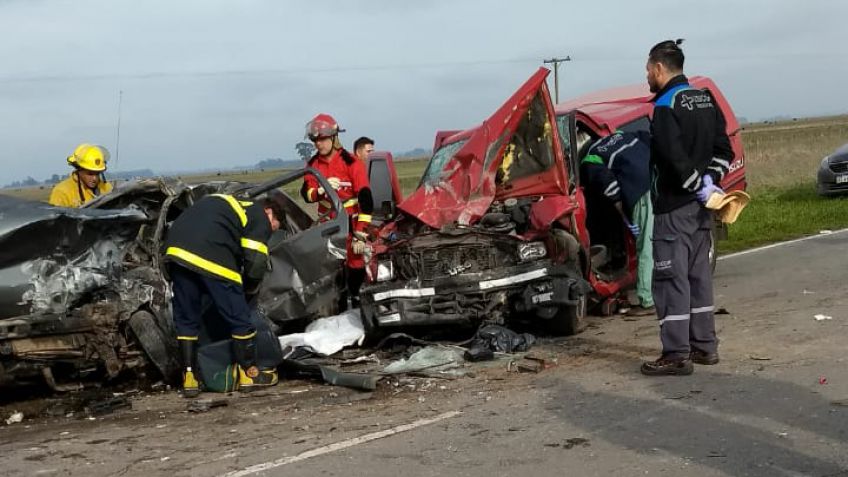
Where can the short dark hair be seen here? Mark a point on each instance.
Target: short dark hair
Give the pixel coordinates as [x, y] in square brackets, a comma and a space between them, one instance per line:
[363, 141]
[669, 54]
[275, 200]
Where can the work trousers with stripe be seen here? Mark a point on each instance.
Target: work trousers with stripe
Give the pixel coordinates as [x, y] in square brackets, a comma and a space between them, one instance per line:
[189, 287]
[682, 281]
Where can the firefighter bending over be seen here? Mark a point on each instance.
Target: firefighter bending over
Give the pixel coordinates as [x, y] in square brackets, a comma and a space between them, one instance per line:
[218, 248]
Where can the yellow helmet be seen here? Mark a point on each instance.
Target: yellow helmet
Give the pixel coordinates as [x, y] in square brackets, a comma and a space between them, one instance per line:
[90, 157]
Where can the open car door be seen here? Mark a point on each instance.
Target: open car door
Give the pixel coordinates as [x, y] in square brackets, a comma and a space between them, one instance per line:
[305, 256]
[515, 152]
[385, 187]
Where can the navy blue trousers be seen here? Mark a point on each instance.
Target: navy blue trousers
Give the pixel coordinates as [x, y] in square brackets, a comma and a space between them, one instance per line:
[189, 288]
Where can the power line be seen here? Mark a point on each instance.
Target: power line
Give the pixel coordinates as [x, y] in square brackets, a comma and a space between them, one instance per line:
[556, 62]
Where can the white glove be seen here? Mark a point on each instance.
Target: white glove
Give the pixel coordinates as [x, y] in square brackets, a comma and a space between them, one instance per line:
[320, 190]
[358, 245]
[334, 182]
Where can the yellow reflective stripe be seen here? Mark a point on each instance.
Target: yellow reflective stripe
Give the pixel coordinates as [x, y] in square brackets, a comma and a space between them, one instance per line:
[254, 245]
[244, 337]
[351, 202]
[236, 207]
[364, 218]
[187, 338]
[204, 264]
[309, 194]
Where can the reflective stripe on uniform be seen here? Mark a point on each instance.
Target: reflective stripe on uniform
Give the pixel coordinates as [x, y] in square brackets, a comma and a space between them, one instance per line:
[702, 309]
[244, 337]
[674, 318]
[187, 338]
[364, 218]
[351, 202]
[254, 245]
[204, 264]
[237, 208]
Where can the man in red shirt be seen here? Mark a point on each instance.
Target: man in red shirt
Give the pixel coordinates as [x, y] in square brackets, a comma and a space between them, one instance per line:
[347, 176]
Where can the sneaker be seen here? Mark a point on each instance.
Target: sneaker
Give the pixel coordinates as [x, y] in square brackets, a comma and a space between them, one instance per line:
[702, 357]
[640, 310]
[668, 367]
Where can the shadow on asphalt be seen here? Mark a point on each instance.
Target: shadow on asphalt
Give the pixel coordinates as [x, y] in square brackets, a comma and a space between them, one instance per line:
[650, 426]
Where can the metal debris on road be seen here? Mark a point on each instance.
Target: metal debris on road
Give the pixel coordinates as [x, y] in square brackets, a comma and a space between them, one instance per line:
[105, 406]
[757, 357]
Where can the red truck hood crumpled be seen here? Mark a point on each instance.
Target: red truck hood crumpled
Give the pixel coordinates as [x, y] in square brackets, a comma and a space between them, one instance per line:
[467, 187]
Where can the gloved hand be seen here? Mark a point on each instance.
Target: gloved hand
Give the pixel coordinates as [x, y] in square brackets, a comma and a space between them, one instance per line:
[707, 189]
[358, 245]
[320, 190]
[334, 182]
[634, 229]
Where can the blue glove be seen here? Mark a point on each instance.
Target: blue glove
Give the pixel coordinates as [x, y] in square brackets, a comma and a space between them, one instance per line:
[707, 189]
[634, 229]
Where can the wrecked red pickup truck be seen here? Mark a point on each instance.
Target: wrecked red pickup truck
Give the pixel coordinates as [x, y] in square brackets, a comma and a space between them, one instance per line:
[497, 229]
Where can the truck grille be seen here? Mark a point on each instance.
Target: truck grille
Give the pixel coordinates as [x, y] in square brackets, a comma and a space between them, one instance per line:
[452, 261]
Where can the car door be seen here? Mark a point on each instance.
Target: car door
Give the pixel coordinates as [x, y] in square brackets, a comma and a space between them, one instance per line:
[385, 187]
[306, 256]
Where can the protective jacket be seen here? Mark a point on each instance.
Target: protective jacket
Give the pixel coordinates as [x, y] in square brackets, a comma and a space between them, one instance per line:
[354, 189]
[618, 166]
[222, 237]
[688, 139]
[73, 193]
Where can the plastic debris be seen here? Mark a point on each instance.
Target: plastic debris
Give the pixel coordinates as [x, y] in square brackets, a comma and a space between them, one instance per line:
[498, 339]
[327, 336]
[15, 418]
[822, 317]
[822, 380]
[431, 358]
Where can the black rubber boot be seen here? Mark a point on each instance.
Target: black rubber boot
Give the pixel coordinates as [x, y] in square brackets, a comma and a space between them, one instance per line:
[188, 354]
[355, 279]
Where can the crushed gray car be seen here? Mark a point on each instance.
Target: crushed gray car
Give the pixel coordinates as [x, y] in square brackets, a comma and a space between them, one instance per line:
[82, 296]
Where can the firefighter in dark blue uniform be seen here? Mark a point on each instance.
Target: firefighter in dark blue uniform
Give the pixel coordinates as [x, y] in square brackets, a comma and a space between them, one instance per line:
[218, 247]
[690, 154]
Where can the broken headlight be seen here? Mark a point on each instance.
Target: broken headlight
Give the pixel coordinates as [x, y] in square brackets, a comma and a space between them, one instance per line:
[532, 251]
[385, 271]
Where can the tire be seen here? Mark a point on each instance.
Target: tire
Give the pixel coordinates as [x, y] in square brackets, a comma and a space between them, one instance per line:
[569, 320]
[159, 349]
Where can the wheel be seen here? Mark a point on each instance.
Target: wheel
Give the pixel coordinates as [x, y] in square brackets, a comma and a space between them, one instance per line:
[569, 320]
[160, 350]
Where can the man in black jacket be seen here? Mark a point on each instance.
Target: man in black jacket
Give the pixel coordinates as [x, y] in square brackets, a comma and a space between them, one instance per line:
[690, 154]
[218, 248]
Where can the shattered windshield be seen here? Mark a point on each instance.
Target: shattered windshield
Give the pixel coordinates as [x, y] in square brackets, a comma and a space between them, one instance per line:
[440, 158]
[530, 150]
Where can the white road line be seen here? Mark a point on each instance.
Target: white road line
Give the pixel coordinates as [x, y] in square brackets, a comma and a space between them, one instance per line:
[255, 469]
[780, 244]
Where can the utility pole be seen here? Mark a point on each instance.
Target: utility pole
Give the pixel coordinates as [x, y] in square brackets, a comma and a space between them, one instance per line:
[118, 139]
[556, 62]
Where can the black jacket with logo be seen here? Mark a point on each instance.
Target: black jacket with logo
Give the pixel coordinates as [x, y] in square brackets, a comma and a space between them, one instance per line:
[222, 237]
[688, 139]
[617, 167]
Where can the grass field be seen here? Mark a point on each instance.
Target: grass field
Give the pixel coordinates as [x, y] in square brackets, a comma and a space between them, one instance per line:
[781, 163]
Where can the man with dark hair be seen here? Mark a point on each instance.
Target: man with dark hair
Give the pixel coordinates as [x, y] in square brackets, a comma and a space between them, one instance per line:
[690, 154]
[218, 248]
[348, 177]
[362, 147]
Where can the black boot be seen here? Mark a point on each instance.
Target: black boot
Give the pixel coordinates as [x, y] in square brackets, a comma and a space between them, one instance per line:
[355, 279]
[250, 377]
[188, 353]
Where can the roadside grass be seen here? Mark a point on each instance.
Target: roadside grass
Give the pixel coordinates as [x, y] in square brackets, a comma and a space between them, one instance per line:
[782, 213]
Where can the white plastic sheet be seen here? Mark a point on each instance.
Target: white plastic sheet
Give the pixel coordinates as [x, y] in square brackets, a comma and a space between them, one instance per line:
[329, 335]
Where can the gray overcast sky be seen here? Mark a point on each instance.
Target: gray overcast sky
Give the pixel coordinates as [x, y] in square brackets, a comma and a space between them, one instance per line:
[212, 83]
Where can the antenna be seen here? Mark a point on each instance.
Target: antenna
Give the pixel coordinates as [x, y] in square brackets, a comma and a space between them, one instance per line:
[118, 138]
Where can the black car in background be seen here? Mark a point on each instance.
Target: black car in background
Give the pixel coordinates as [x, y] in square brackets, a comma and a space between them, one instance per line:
[832, 177]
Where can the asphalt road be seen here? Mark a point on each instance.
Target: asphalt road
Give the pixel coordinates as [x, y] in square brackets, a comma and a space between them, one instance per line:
[777, 405]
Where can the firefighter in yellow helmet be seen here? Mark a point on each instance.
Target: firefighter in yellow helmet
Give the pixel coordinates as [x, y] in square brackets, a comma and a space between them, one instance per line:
[86, 181]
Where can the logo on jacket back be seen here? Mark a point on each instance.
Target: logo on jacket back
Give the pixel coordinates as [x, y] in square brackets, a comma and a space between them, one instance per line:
[692, 100]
